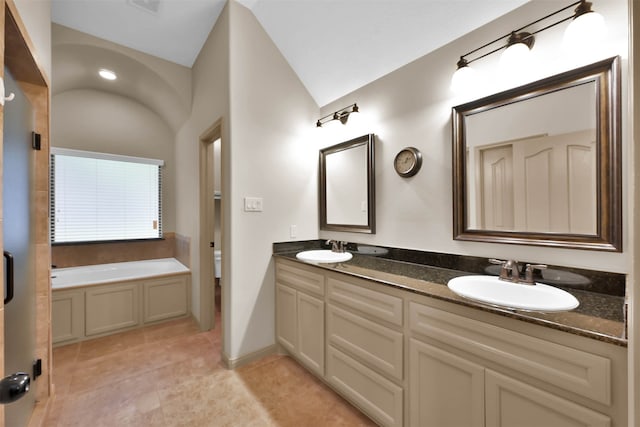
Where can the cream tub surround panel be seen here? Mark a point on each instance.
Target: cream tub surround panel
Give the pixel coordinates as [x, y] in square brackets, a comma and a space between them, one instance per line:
[97, 300]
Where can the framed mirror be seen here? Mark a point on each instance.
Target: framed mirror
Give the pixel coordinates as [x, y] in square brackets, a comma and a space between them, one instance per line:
[541, 164]
[347, 186]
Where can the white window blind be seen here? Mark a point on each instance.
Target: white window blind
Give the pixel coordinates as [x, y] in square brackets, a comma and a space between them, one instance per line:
[102, 197]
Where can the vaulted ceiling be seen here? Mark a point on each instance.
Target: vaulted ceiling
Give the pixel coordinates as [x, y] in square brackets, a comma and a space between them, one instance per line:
[335, 46]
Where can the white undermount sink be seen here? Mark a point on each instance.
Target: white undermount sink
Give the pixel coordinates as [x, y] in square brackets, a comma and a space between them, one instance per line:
[491, 290]
[324, 255]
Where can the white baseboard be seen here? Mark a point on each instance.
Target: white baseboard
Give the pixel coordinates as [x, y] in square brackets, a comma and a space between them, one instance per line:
[248, 358]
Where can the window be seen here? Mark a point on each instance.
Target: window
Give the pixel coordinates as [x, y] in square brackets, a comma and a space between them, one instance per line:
[103, 197]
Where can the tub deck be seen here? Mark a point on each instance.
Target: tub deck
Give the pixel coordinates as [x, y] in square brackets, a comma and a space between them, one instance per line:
[88, 275]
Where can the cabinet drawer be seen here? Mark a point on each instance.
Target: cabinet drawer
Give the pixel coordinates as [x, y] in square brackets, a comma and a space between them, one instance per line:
[583, 373]
[378, 397]
[299, 278]
[369, 342]
[376, 304]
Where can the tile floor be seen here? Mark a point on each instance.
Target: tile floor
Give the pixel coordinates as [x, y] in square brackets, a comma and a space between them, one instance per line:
[171, 375]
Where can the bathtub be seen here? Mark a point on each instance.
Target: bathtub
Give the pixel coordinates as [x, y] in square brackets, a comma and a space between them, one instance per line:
[96, 300]
[86, 275]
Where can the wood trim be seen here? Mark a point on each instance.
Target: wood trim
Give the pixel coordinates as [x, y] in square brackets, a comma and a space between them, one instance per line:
[19, 49]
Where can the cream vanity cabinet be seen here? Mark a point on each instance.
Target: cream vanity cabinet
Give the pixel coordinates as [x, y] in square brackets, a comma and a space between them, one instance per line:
[300, 313]
[365, 357]
[474, 373]
[405, 359]
[364, 339]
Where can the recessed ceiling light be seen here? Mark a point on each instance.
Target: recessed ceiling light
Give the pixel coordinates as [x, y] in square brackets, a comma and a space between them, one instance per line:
[107, 74]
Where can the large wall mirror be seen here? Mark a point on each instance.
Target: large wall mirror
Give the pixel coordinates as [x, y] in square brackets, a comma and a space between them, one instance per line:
[541, 164]
[347, 186]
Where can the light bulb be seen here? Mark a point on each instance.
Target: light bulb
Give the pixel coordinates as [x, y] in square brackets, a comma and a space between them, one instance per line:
[107, 74]
[516, 57]
[585, 31]
[463, 80]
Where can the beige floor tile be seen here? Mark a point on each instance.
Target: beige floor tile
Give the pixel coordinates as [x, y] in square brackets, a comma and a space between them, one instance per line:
[110, 344]
[171, 375]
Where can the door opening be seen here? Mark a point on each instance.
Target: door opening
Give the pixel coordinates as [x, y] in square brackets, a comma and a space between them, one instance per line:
[212, 277]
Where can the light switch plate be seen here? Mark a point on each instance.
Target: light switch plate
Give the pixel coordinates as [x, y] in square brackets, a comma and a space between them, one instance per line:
[253, 204]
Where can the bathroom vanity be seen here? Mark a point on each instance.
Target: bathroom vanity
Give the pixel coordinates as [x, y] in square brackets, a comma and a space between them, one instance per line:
[409, 352]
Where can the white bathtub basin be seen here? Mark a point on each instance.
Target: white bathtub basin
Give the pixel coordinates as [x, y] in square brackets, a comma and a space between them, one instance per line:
[491, 290]
[324, 256]
[70, 277]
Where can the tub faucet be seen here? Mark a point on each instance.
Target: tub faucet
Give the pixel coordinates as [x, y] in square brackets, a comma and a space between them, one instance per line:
[337, 245]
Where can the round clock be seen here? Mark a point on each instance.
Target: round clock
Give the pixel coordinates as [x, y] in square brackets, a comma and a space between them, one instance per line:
[407, 162]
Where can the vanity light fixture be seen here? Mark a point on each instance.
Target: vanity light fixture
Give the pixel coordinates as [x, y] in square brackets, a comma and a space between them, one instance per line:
[587, 27]
[342, 115]
[107, 74]
[518, 48]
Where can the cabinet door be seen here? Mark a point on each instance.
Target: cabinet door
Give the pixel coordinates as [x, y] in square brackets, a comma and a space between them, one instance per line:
[67, 316]
[511, 403]
[286, 317]
[165, 298]
[376, 396]
[311, 332]
[444, 390]
[110, 308]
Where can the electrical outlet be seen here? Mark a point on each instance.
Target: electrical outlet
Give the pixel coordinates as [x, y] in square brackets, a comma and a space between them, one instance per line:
[253, 204]
[293, 232]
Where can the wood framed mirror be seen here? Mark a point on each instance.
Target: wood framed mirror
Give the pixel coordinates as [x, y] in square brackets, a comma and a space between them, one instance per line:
[347, 186]
[541, 164]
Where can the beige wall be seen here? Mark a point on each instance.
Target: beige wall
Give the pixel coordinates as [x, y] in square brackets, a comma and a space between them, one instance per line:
[241, 77]
[273, 157]
[412, 106]
[210, 103]
[99, 121]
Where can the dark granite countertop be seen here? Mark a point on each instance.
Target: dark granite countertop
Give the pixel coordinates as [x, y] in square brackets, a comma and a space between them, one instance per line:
[600, 316]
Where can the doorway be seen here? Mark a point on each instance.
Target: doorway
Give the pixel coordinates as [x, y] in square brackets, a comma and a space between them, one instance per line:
[212, 277]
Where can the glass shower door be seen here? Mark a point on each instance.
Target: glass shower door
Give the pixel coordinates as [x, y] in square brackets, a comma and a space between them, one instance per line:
[17, 192]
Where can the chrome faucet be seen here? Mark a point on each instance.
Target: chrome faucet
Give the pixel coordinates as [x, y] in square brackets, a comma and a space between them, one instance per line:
[337, 245]
[510, 271]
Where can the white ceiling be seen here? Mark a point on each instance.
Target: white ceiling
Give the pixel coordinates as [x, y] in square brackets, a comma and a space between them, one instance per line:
[335, 46]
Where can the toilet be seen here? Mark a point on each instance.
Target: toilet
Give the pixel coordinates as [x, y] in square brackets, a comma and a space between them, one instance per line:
[217, 256]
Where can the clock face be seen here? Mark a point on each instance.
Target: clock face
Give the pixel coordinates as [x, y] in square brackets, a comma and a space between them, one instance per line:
[407, 162]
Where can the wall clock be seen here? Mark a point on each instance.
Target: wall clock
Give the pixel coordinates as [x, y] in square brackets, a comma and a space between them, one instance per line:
[407, 162]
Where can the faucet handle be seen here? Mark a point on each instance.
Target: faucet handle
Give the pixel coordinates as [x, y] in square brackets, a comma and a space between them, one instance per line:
[506, 266]
[528, 278]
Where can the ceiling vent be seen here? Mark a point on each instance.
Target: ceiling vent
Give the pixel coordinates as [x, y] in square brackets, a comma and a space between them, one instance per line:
[150, 6]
